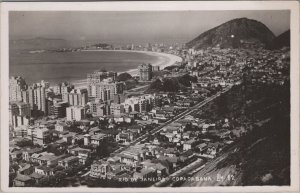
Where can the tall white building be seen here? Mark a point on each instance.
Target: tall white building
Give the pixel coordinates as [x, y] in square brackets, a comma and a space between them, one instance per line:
[76, 113]
[16, 86]
[145, 72]
[139, 104]
[36, 96]
[76, 97]
[62, 88]
[19, 114]
[97, 77]
[117, 109]
[107, 90]
[20, 108]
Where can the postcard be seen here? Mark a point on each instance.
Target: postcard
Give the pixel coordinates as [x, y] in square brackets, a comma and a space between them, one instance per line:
[150, 96]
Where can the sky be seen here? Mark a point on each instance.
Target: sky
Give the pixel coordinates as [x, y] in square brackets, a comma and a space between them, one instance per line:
[151, 26]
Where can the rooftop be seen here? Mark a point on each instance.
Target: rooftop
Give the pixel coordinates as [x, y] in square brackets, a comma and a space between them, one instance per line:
[44, 168]
[22, 178]
[70, 158]
[36, 175]
[99, 136]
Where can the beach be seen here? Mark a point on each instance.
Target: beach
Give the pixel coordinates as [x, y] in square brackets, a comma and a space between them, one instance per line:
[164, 60]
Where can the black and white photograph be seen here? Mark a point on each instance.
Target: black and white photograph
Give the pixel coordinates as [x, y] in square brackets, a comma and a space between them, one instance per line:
[149, 98]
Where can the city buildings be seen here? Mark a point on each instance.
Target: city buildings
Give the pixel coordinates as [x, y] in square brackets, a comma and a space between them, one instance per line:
[20, 108]
[62, 88]
[23, 181]
[76, 113]
[76, 97]
[39, 134]
[145, 72]
[100, 169]
[16, 87]
[98, 108]
[36, 96]
[97, 77]
[107, 90]
[19, 113]
[58, 109]
[136, 136]
[119, 98]
[116, 109]
[69, 162]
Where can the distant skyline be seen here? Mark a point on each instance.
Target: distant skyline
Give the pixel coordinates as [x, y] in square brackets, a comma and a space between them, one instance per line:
[133, 27]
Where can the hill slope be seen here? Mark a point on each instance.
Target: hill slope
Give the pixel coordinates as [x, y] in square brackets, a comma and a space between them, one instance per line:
[171, 84]
[232, 33]
[283, 40]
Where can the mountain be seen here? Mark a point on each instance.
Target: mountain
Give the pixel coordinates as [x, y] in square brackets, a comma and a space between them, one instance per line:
[38, 43]
[233, 34]
[283, 40]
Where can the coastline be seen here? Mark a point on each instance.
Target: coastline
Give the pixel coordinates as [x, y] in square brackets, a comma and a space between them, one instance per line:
[164, 60]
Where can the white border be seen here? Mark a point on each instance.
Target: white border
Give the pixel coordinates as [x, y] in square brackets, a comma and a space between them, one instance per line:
[293, 6]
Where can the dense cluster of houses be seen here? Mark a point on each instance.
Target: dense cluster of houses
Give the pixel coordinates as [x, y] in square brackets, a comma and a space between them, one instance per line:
[168, 151]
[62, 142]
[37, 163]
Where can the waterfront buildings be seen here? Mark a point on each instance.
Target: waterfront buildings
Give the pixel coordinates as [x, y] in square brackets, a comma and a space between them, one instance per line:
[107, 90]
[62, 88]
[36, 97]
[145, 72]
[16, 87]
[116, 120]
[97, 77]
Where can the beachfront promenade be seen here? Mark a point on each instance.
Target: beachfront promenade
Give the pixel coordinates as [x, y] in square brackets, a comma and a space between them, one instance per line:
[164, 60]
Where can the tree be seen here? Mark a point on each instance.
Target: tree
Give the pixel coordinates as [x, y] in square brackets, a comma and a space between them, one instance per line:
[12, 176]
[58, 168]
[103, 70]
[124, 76]
[103, 149]
[43, 182]
[53, 149]
[156, 85]
[14, 167]
[59, 176]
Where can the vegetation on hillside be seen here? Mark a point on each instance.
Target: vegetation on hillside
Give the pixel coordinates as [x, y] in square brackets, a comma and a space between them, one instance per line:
[263, 156]
[172, 84]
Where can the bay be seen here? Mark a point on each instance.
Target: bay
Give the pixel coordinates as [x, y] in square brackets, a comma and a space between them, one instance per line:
[55, 67]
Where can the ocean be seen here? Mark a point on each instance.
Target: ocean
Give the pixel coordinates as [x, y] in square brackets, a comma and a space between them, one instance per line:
[56, 67]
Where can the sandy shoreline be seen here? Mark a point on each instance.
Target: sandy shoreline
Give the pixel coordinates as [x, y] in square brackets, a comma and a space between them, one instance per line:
[164, 60]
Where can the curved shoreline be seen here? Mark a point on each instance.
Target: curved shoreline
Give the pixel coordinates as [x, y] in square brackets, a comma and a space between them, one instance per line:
[171, 59]
[164, 60]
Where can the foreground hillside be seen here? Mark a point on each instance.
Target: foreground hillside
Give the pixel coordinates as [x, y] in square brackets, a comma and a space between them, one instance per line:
[262, 157]
[283, 40]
